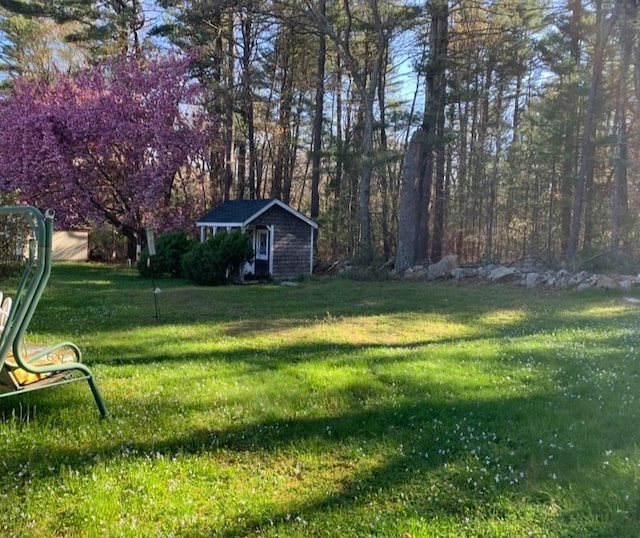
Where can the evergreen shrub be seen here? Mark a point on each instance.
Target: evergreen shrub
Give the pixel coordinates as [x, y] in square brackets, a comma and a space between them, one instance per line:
[217, 260]
[170, 248]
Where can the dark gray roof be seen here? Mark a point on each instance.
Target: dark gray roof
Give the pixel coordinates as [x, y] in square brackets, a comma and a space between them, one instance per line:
[234, 211]
[242, 212]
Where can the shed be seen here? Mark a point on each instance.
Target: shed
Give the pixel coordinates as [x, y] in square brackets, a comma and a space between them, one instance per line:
[71, 245]
[282, 237]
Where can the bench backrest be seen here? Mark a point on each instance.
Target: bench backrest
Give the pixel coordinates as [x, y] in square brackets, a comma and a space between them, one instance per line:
[35, 274]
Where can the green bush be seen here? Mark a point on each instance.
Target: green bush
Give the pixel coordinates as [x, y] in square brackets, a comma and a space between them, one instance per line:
[170, 248]
[218, 259]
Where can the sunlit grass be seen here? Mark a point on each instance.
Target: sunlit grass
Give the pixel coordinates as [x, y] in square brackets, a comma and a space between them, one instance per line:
[326, 409]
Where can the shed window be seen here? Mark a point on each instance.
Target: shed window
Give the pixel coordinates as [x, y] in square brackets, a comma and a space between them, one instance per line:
[262, 247]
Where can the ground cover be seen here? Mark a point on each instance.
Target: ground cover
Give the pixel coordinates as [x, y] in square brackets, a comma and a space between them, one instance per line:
[331, 408]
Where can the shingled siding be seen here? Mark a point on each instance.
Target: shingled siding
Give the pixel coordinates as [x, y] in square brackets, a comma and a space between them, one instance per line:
[292, 243]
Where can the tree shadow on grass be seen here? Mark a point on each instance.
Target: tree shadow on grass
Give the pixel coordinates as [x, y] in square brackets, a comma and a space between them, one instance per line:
[476, 452]
[181, 304]
[487, 450]
[517, 431]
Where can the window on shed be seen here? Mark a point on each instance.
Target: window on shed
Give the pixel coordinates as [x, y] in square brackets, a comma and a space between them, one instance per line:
[262, 247]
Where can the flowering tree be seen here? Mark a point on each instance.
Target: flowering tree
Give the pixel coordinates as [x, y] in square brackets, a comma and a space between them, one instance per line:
[118, 143]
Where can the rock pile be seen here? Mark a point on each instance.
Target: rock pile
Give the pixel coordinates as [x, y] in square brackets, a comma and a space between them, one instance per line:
[529, 276]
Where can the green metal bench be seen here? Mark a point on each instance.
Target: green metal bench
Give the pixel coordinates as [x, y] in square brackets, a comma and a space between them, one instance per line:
[26, 367]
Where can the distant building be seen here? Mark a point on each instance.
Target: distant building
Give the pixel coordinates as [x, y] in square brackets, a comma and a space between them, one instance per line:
[71, 245]
[282, 237]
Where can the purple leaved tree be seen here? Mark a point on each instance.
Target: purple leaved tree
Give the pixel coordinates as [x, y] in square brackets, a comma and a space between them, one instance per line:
[125, 142]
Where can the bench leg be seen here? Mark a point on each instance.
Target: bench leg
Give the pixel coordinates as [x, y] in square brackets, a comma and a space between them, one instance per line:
[97, 397]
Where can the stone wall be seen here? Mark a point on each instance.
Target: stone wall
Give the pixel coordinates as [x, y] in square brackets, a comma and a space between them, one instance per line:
[529, 276]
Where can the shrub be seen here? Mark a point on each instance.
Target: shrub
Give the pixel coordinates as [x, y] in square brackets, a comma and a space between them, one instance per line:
[170, 248]
[218, 259]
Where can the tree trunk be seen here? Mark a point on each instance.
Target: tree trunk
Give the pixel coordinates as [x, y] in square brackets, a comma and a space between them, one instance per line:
[463, 177]
[411, 195]
[229, 132]
[247, 100]
[384, 195]
[285, 104]
[364, 189]
[438, 65]
[571, 135]
[493, 180]
[318, 121]
[481, 190]
[292, 152]
[339, 167]
[588, 144]
[620, 196]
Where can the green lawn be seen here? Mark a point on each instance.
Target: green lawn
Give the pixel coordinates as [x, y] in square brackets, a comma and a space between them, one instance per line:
[333, 408]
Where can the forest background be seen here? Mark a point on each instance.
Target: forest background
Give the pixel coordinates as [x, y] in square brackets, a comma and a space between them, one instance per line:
[497, 130]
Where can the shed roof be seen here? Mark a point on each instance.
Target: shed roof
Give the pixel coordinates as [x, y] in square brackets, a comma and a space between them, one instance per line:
[243, 212]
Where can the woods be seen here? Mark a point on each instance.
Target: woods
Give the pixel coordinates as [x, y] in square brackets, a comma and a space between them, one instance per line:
[497, 131]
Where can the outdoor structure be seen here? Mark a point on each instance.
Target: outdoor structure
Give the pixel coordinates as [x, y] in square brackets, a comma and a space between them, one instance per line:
[282, 237]
[25, 366]
[71, 245]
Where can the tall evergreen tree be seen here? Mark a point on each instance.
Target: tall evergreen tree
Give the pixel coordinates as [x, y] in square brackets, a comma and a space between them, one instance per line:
[104, 28]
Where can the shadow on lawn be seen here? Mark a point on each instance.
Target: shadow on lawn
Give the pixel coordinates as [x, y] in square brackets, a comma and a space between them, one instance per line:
[422, 439]
[149, 349]
[460, 446]
[87, 295]
[507, 434]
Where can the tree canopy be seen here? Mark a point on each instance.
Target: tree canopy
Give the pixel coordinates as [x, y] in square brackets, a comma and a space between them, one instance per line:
[113, 143]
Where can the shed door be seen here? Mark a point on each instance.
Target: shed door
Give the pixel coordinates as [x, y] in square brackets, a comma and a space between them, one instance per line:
[262, 252]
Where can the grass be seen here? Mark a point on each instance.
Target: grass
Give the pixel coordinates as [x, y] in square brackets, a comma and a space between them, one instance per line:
[332, 408]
